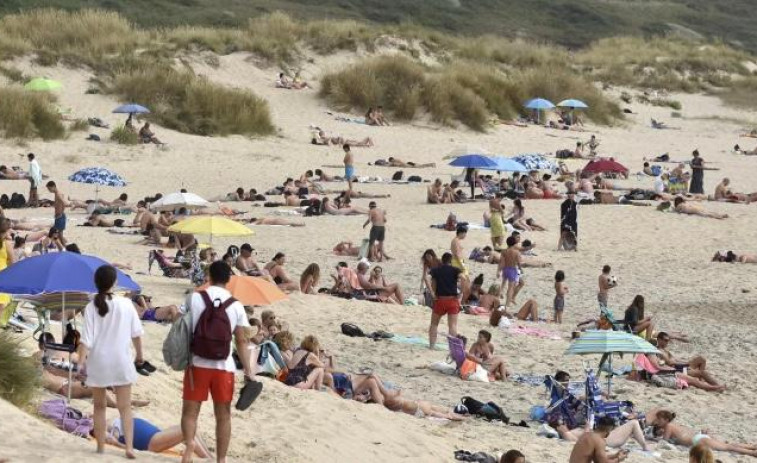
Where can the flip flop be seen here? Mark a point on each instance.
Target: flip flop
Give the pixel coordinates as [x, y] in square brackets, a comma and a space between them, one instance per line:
[148, 366]
[250, 391]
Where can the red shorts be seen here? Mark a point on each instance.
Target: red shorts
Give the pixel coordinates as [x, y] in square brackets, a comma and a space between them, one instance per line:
[219, 383]
[447, 306]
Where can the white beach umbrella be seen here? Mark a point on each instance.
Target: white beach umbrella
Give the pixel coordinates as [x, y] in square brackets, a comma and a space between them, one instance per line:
[174, 201]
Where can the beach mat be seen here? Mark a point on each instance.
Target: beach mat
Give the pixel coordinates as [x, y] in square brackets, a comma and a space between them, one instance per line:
[416, 341]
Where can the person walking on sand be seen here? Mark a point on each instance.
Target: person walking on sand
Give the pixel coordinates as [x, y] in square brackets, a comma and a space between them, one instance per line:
[568, 222]
[509, 265]
[606, 283]
[445, 297]
[35, 178]
[349, 168]
[210, 371]
[59, 209]
[111, 324]
[377, 219]
[697, 174]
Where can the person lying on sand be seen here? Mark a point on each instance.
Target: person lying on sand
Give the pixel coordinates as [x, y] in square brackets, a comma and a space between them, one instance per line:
[723, 193]
[683, 207]
[738, 149]
[686, 436]
[275, 269]
[121, 201]
[12, 174]
[482, 352]
[321, 138]
[327, 207]
[394, 162]
[150, 438]
[324, 177]
[147, 311]
[730, 256]
[283, 82]
[683, 380]
[420, 408]
[360, 195]
[695, 366]
[346, 248]
[97, 220]
[272, 221]
[529, 311]
[605, 197]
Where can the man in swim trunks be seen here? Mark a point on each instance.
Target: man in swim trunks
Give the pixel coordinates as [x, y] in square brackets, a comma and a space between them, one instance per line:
[508, 267]
[605, 285]
[444, 282]
[377, 219]
[349, 168]
[59, 208]
[458, 259]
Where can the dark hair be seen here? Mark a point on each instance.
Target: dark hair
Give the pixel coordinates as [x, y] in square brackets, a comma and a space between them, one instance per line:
[308, 173]
[678, 201]
[18, 241]
[278, 256]
[318, 172]
[123, 197]
[220, 272]
[346, 147]
[666, 415]
[605, 423]
[73, 247]
[446, 258]
[246, 247]
[662, 334]
[487, 335]
[559, 276]
[526, 243]
[342, 264]
[646, 164]
[461, 229]
[606, 269]
[562, 375]
[511, 456]
[511, 241]
[105, 279]
[479, 280]
[638, 302]
[487, 248]
[50, 184]
[518, 205]
[30, 156]
[52, 232]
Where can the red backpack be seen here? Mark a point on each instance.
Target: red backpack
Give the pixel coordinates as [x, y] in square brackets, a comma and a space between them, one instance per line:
[212, 335]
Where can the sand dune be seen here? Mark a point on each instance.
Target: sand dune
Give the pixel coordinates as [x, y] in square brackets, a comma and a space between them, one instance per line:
[663, 256]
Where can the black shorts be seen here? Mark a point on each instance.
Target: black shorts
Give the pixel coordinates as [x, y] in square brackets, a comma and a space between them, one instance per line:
[377, 233]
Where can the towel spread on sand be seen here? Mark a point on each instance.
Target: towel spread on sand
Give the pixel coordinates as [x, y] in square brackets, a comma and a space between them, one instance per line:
[535, 332]
[416, 340]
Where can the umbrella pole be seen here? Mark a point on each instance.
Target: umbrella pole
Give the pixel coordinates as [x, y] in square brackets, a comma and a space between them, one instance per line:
[609, 378]
[63, 334]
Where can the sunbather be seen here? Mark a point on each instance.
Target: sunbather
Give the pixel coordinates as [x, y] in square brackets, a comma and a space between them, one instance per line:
[275, 269]
[309, 279]
[147, 136]
[321, 138]
[683, 207]
[730, 256]
[420, 408]
[679, 380]
[327, 207]
[695, 366]
[605, 197]
[738, 149]
[273, 221]
[482, 352]
[391, 293]
[97, 220]
[306, 370]
[346, 248]
[723, 193]
[147, 311]
[296, 84]
[684, 435]
[12, 174]
[150, 438]
[394, 162]
[528, 311]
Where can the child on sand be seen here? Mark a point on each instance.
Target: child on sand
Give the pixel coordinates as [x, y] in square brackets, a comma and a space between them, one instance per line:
[606, 282]
[561, 289]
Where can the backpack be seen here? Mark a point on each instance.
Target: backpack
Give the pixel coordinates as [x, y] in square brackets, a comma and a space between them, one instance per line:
[490, 411]
[4, 201]
[212, 336]
[397, 176]
[414, 178]
[177, 345]
[17, 201]
[351, 330]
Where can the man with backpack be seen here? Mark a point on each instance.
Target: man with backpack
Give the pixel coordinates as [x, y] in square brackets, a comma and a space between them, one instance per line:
[216, 316]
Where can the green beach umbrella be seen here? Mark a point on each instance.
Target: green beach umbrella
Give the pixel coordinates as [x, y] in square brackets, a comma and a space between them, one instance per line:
[41, 84]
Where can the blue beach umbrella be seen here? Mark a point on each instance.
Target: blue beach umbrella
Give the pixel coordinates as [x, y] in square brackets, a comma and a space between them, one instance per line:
[131, 108]
[473, 161]
[539, 103]
[573, 104]
[504, 164]
[97, 176]
[57, 272]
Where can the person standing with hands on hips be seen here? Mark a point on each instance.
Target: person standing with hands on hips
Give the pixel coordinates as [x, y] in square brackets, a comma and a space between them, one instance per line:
[111, 325]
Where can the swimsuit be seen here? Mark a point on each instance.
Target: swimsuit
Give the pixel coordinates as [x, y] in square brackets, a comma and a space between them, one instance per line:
[602, 298]
[349, 172]
[559, 303]
[299, 374]
[343, 385]
[510, 274]
[418, 412]
[698, 437]
[377, 233]
[143, 433]
[457, 263]
[149, 315]
[60, 222]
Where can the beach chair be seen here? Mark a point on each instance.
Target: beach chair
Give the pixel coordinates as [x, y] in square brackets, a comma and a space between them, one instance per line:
[598, 407]
[563, 406]
[157, 256]
[456, 351]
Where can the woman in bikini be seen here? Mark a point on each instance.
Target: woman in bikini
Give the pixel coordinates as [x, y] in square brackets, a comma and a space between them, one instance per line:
[306, 371]
[275, 269]
[482, 352]
[529, 311]
[518, 216]
[420, 408]
[309, 279]
[683, 435]
[327, 207]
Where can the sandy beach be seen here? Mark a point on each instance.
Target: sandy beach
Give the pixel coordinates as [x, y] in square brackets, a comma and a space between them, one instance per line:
[663, 256]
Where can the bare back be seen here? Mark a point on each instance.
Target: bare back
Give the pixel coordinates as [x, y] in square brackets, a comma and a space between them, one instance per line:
[590, 448]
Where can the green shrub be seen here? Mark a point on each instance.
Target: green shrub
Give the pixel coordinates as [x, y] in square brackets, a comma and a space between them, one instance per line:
[26, 115]
[19, 376]
[124, 136]
[182, 101]
[665, 102]
[79, 125]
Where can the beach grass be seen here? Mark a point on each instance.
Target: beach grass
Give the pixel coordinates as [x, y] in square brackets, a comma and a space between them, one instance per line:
[19, 376]
[124, 136]
[25, 114]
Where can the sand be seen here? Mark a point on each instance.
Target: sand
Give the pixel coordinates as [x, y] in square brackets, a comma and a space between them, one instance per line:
[664, 256]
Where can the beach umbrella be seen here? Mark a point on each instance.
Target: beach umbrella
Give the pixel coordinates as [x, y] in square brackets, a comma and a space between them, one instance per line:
[211, 225]
[601, 166]
[131, 108]
[607, 343]
[465, 150]
[539, 103]
[573, 104]
[536, 162]
[40, 84]
[175, 201]
[98, 176]
[506, 165]
[473, 161]
[252, 290]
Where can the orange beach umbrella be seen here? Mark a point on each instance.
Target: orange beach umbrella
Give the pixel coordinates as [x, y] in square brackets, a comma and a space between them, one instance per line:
[252, 290]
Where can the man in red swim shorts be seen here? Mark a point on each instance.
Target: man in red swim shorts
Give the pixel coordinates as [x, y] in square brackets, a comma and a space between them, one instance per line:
[444, 282]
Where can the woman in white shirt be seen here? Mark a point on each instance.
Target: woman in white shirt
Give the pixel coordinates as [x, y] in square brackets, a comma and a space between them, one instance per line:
[111, 324]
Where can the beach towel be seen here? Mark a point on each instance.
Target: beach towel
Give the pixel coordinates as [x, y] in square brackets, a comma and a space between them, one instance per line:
[67, 418]
[535, 332]
[416, 341]
[352, 120]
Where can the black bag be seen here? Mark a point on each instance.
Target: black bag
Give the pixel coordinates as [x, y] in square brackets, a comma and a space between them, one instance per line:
[415, 179]
[4, 201]
[17, 201]
[564, 154]
[398, 175]
[489, 411]
[352, 330]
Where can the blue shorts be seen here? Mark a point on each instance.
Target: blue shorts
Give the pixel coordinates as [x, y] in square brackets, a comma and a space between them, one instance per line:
[143, 434]
[349, 172]
[60, 222]
[510, 274]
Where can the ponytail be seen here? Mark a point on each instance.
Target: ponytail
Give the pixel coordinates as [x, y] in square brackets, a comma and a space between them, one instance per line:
[105, 279]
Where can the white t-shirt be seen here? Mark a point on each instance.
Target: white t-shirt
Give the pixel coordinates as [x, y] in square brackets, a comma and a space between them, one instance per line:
[35, 172]
[110, 361]
[659, 185]
[237, 317]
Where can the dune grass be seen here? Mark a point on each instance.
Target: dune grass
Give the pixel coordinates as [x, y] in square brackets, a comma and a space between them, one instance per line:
[182, 101]
[124, 136]
[19, 376]
[25, 114]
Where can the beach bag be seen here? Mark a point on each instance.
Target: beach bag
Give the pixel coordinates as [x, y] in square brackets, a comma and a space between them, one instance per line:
[212, 336]
[665, 381]
[351, 330]
[17, 201]
[177, 345]
[4, 201]
[67, 418]
[397, 176]
[415, 179]
[490, 411]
